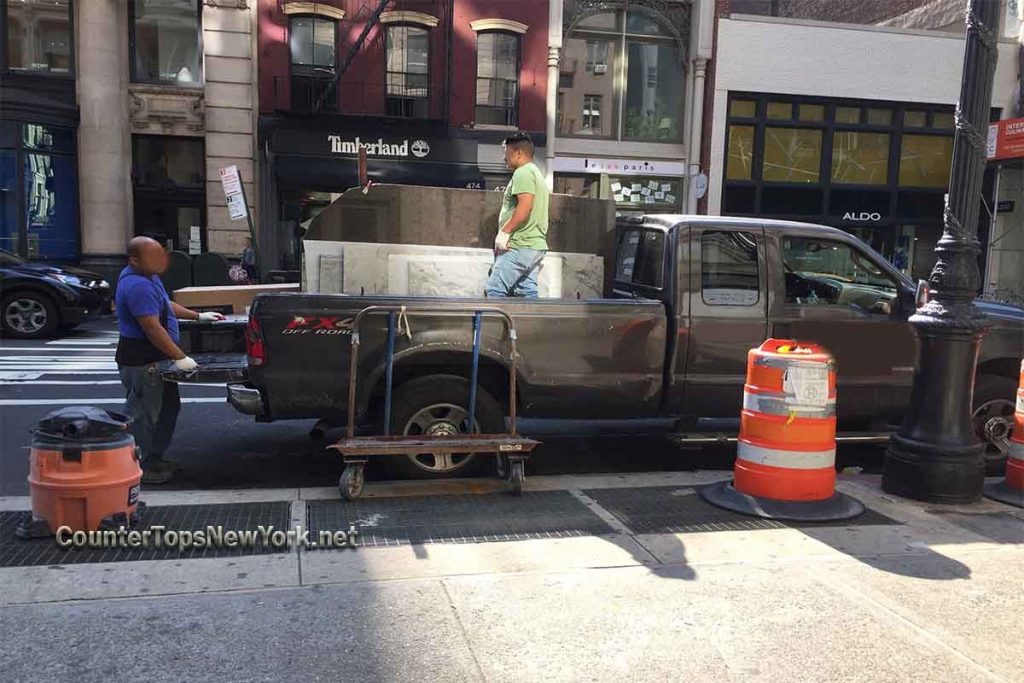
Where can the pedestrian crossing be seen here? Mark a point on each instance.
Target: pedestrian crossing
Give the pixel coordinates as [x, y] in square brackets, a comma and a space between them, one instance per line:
[63, 371]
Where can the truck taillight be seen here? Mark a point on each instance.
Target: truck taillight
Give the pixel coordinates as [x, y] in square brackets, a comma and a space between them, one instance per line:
[254, 344]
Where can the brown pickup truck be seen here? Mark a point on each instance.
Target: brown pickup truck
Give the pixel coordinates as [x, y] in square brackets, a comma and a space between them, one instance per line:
[689, 297]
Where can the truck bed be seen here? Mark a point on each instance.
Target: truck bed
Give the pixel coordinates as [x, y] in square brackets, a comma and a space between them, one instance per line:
[597, 358]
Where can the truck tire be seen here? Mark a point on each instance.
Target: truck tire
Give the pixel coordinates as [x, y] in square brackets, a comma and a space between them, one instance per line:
[993, 418]
[438, 404]
[28, 315]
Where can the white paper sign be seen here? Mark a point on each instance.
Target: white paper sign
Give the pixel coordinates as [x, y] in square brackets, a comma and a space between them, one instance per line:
[231, 181]
[618, 197]
[636, 187]
[646, 192]
[659, 195]
[807, 384]
[666, 187]
[648, 199]
[193, 234]
[653, 184]
[195, 247]
[671, 198]
[616, 187]
[236, 207]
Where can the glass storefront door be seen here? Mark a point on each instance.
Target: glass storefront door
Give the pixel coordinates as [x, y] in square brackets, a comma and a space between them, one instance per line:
[169, 221]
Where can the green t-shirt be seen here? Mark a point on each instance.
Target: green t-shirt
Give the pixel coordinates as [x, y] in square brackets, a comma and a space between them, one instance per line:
[533, 233]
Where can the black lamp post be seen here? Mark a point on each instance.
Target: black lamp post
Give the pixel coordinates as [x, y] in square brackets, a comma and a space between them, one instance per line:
[936, 456]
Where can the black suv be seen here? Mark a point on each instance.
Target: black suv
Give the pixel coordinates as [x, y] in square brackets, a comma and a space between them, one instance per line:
[38, 299]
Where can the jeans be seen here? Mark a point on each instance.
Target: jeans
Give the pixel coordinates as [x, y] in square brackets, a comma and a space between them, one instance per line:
[153, 405]
[514, 273]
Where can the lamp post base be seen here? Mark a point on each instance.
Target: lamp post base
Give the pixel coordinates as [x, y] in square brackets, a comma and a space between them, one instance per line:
[936, 457]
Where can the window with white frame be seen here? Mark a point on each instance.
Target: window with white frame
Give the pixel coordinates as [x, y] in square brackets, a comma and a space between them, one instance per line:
[592, 113]
[497, 78]
[407, 78]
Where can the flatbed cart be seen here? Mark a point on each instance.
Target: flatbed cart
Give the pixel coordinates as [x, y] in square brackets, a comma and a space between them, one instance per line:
[511, 449]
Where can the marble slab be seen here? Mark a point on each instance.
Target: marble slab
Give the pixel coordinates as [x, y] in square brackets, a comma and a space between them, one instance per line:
[409, 269]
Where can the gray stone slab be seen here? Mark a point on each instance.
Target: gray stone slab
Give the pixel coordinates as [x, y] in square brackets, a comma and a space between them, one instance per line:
[380, 632]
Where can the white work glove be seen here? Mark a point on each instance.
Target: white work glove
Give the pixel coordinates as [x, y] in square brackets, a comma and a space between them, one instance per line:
[209, 317]
[501, 241]
[186, 364]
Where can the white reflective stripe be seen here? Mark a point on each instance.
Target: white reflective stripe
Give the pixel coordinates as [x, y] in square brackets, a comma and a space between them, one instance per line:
[1020, 401]
[796, 460]
[1016, 450]
[779, 404]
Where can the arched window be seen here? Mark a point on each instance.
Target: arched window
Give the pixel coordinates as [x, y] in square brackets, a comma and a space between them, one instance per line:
[407, 78]
[497, 78]
[622, 76]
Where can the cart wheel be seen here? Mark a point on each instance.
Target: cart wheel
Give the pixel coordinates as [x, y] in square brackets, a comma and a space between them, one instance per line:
[516, 475]
[351, 482]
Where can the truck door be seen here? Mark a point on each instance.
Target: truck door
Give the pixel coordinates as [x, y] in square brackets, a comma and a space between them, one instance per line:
[728, 315]
[840, 295]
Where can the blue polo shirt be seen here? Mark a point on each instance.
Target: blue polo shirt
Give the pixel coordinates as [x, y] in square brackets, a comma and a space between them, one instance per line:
[138, 296]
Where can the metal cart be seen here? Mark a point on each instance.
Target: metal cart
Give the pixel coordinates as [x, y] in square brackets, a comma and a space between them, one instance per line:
[511, 449]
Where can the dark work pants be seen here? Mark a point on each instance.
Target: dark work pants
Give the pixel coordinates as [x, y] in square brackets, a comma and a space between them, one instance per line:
[153, 405]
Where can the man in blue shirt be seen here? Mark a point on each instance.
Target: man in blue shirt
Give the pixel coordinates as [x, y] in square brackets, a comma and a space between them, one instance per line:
[147, 322]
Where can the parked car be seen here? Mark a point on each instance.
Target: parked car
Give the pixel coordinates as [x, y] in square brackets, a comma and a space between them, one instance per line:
[690, 296]
[40, 300]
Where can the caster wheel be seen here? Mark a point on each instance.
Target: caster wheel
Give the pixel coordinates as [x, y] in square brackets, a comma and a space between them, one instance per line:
[516, 476]
[351, 482]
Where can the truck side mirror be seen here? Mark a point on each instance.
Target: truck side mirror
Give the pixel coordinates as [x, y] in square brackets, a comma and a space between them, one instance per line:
[921, 294]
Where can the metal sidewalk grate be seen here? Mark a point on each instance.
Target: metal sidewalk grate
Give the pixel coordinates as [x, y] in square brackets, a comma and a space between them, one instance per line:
[15, 552]
[680, 509]
[458, 519]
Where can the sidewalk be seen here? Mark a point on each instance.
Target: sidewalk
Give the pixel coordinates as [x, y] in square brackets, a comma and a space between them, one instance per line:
[619, 577]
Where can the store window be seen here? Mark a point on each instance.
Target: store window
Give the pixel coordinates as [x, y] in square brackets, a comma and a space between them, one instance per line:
[497, 79]
[166, 45]
[38, 36]
[169, 179]
[633, 62]
[407, 78]
[925, 160]
[860, 158]
[645, 193]
[312, 45]
[792, 155]
[38, 191]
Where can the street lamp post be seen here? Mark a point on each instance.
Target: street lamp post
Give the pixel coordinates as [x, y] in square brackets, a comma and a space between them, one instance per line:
[936, 456]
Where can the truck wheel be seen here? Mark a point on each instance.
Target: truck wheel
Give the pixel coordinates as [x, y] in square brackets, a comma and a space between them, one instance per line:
[28, 315]
[993, 419]
[438, 405]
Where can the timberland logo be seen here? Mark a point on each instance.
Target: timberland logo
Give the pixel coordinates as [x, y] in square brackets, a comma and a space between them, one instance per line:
[418, 148]
[862, 216]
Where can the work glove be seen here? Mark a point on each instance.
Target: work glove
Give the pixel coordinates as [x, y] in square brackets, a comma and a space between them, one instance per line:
[501, 241]
[186, 365]
[210, 316]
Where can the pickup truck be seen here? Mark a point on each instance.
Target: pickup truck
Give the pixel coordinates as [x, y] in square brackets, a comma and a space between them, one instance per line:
[690, 295]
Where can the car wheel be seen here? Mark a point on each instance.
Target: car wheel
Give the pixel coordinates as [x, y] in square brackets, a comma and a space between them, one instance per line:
[28, 315]
[438, 405]
[993, 419]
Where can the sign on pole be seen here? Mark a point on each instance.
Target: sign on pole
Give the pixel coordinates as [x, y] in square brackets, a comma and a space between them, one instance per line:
[238, 206]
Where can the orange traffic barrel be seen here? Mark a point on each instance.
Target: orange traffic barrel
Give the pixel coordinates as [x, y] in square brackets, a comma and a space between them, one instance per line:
[1011, 489]
[786, 454]
[84, 473]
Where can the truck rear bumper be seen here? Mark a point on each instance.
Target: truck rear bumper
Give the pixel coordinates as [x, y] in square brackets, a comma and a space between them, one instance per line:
[246, 400]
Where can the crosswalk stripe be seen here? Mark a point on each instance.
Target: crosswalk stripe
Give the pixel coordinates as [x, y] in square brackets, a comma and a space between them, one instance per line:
[43, 349]
[81, 342]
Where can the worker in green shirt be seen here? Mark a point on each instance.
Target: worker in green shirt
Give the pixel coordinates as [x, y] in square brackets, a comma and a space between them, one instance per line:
[521, 243]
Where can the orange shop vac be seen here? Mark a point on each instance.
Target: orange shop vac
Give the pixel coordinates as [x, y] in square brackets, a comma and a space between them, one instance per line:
[84, 473]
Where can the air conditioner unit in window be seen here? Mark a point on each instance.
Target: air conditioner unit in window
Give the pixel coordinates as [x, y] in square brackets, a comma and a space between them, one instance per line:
[600, 68]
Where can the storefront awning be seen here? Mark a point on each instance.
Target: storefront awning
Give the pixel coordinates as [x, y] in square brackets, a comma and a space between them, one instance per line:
[326, 174]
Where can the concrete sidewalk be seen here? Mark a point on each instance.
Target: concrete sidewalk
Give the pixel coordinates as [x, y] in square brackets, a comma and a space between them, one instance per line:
[935, 596]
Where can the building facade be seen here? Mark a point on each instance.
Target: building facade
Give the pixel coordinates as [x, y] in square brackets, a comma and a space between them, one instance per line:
[39, 213]
[629, 102]
[852, 124]
[116, 117]
[428, 87]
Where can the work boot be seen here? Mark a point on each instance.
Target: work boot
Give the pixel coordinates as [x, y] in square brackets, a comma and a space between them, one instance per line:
[155, 471]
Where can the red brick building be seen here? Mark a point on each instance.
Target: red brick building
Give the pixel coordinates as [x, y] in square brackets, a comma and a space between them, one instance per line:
[430, 87]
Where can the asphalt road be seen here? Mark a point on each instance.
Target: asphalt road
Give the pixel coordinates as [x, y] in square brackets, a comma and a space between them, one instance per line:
[220, 448]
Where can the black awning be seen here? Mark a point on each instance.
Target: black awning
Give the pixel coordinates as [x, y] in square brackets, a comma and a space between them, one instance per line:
[327, 174]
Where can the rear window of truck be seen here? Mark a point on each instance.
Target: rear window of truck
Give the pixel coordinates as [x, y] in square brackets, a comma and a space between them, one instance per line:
[640, 258]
